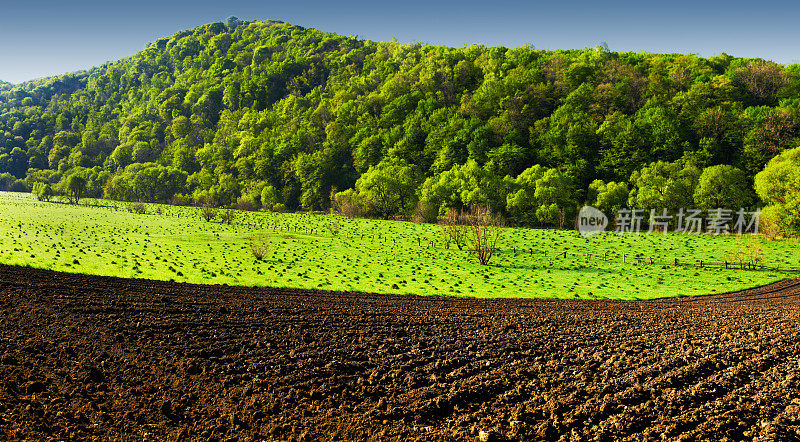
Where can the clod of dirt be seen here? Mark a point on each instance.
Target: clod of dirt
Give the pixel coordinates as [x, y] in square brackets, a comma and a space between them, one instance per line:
[94, 375]
[34, 387]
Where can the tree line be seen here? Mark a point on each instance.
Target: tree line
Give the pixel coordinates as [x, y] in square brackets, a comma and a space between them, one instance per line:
[276, 116]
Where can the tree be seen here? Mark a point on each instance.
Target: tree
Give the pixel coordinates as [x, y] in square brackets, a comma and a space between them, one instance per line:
[76, 188]
[761, 79]
[43, 191]
[454, 228]
[778, 185]
[269, 197]
[723, 186]
[609, 197]
[389, 188]
[663, 185]
[484, 231]
[462, 186]
[208, 208]
[773, 131]
[623, 146]
[555, 192]
[521, 204]
[238, 106]
[228, 216]
[232, 22]
[18, 164]
[348, 203]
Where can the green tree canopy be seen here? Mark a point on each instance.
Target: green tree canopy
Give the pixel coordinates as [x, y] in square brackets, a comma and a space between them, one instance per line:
[723, 186]
[778, 185]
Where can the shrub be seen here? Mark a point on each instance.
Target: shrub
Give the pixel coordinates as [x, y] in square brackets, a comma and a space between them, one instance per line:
[228, 216]
[348, 204]
[208, 208]
[209, 213]
[139, 208]
[425, 212]
[484, 231]
[746, 252]
[454, 229]
[43, 191]
[179, 200]
[259, 246]
[246, 204]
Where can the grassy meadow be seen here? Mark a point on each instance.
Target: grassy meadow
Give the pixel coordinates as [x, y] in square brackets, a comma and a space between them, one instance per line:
[335, 253]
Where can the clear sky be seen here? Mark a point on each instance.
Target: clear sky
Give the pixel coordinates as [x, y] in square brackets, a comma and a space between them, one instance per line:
[44, 37]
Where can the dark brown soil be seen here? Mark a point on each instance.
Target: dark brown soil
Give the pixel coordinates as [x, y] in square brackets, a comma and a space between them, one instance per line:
[94, 357]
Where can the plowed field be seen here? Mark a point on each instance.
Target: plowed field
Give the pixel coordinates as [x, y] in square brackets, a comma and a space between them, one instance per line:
[107, 358]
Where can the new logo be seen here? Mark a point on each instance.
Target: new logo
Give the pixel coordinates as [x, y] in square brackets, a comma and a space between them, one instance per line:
[591, 221]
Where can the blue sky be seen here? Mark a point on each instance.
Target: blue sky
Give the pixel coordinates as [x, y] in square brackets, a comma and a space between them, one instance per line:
[44, 37]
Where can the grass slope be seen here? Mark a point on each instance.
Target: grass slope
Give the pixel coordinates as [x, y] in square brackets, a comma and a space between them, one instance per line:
[365, 255]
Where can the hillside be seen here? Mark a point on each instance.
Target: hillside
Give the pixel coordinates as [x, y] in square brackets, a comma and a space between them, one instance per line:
[282, 116]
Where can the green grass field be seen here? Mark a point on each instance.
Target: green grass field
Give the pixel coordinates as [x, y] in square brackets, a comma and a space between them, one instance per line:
[365, 255]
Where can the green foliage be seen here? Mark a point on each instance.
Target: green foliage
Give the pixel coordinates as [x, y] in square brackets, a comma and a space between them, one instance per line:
[663, 185]
[239, 107]
[723, 186]
[555, 192]
[778, 185]
[389, 188]
[461, 187]
[43, 191]
[609, 197]
[75, 188]
[521, 203]
[146, 182]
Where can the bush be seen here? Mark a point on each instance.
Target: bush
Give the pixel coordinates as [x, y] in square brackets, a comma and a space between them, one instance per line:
[746, 252]
[228, 216]
[334, 228]
[348, 204]
[43, 191]
[454, 229]
[425, 212]
[259, 246]
[179, 200]
[208, 213]
[139, 208]
[484, 231]
[208, 207]
[18, 186]
[245, 204]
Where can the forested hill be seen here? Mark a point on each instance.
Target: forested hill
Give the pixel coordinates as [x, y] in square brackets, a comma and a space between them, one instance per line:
[280, 115]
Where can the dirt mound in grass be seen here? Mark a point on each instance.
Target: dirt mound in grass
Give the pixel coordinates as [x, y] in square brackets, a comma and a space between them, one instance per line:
[106, 358]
